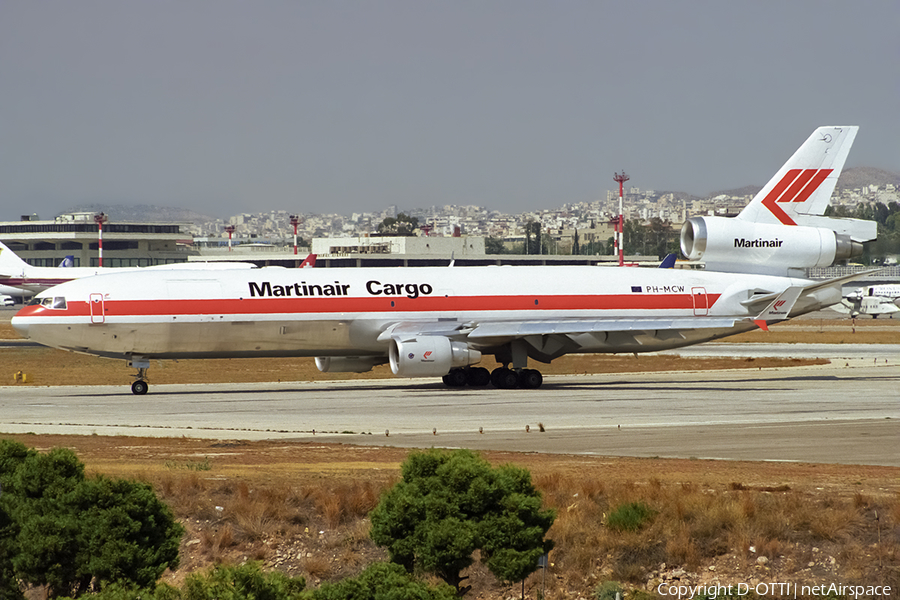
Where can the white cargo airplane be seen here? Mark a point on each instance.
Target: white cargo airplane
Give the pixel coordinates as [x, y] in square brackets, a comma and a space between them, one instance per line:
[439, 322]
[18, 275]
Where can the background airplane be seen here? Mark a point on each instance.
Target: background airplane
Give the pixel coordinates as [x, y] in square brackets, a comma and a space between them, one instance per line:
[439, 322]
[872, 300]
[22, 279]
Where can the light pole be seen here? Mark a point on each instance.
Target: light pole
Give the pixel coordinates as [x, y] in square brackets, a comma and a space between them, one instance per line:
[100, 219]
[230, 230]
[620, 239]
[295, 220]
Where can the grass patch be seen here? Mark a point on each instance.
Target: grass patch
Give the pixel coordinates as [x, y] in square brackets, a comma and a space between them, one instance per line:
[204, 465]
[630, 517]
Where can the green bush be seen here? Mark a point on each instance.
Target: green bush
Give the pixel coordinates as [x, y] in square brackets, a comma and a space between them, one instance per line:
[65, 531]
[382, 581]
[449, 504]
[630, 517]
[244, 582]
[608, 591]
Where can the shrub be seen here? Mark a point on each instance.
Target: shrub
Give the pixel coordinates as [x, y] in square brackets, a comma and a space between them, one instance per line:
[448, 504]
[609, 590]
[383, 581]
[66, 531]
[629, 517]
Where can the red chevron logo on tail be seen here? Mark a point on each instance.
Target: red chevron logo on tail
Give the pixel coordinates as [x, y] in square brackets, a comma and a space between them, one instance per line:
[796, 186]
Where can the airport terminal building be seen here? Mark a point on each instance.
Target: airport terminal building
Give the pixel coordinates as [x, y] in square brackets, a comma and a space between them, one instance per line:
[47, 243]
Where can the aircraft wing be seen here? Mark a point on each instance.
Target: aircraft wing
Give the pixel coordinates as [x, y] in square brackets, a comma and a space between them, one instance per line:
[545, 340]
[517, 329]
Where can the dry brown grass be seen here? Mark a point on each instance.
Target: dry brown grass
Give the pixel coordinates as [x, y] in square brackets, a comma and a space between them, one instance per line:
[698, 525]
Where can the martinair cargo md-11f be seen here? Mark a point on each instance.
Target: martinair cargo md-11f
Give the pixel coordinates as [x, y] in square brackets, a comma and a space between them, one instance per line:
[439, 322]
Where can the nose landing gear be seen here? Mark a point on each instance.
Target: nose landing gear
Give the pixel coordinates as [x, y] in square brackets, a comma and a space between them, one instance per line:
[140, 385]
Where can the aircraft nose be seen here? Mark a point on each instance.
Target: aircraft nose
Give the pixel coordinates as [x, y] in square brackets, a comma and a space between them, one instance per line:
[20, 326]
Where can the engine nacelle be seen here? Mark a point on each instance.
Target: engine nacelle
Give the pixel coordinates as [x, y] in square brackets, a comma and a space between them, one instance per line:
[728, 242]
[347, 364]
[429, 356]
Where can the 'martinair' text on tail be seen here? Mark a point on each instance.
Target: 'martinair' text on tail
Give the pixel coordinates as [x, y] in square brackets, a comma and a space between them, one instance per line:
[783, 231]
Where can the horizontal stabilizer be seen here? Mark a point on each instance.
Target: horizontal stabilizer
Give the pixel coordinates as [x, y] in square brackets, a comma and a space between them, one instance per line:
[858, 230]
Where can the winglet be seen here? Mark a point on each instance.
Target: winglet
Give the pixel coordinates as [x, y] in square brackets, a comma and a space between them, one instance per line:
[669, 261]
[309, 261]
[780, 308]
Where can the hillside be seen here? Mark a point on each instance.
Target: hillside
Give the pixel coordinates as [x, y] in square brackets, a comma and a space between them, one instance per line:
[858, 177]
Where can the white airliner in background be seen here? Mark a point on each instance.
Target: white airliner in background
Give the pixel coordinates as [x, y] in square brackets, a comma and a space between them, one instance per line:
[871, 300]
[439, 322]
[22, 278]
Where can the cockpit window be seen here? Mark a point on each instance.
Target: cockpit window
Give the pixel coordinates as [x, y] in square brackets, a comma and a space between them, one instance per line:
[58, 302]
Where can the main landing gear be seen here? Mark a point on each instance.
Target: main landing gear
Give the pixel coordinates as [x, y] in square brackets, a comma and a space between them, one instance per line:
[501, 377]
[140, 385]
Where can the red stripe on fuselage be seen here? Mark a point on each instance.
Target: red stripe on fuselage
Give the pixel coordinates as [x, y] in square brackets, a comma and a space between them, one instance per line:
[385, 304]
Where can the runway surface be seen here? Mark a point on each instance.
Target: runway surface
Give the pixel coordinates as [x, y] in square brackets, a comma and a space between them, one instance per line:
[830, 414]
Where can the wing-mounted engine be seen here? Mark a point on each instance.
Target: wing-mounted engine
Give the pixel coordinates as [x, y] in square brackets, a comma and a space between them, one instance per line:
[429, 356]
[738, 245]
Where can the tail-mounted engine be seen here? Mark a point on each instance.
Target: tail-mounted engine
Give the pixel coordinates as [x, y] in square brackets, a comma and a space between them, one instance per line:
[429, 356]
[734, 244]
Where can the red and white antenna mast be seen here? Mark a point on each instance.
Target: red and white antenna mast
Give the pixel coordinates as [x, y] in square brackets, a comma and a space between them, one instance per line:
[620, 226]
[295, 220]
[230, 230]
[100, 219]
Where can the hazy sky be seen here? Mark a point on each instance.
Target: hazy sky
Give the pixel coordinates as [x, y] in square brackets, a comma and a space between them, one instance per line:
[231, 106]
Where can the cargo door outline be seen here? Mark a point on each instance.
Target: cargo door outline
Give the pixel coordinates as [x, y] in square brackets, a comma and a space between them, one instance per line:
[97, 308]
[700, 301]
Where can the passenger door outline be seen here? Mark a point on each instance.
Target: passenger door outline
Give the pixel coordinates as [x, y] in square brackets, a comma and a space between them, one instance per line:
[700, 301]
[98, 313]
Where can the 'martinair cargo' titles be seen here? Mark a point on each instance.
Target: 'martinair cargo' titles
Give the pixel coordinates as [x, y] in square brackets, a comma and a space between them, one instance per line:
[302, 289]
[760, 243]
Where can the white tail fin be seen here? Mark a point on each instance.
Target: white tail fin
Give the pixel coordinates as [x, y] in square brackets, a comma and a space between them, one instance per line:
[803, 186]
[10, 263]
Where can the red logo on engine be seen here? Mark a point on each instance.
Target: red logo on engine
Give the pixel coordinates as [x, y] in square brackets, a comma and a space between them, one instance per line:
[426, 355]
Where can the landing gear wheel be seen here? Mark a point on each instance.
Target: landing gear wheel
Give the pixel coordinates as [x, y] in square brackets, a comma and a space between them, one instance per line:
[478, 376]
[505, 379]
[455, 378]
[139, 387]
[530, 379]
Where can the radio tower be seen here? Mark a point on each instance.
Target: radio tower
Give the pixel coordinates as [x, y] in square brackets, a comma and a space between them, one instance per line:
[620, 226]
